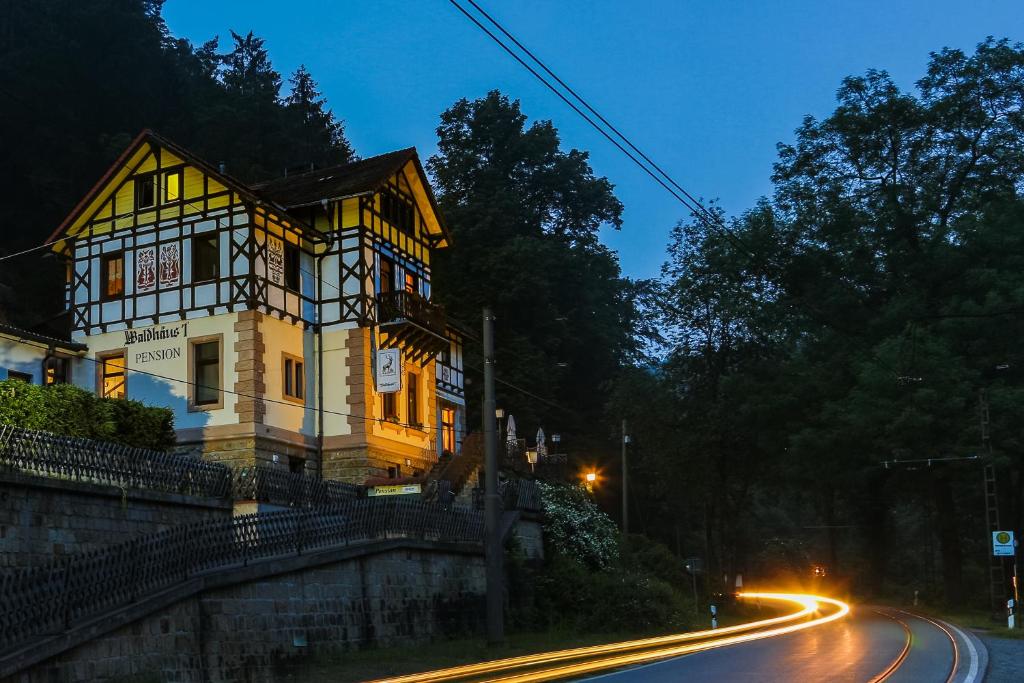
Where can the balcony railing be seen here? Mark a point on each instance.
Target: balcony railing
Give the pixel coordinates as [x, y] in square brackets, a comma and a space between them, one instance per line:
[402, 306]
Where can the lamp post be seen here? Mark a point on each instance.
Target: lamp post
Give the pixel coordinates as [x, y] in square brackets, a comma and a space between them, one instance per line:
[531, 457]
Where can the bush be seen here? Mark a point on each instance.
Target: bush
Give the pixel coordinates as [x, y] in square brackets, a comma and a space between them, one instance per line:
[70, 411]
[576, 528]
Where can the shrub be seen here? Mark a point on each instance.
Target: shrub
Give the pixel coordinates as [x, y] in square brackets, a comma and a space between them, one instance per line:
[71, 411]
[575, 527]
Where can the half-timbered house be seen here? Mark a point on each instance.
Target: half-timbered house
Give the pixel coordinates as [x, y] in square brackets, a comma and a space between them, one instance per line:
[256, 311]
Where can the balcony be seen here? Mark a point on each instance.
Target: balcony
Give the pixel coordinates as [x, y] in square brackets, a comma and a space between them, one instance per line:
[412, 323]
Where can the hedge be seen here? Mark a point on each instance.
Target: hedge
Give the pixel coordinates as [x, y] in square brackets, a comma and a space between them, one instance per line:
[68, 410]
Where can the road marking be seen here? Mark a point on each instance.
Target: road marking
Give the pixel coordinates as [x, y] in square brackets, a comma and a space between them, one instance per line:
[972, 672]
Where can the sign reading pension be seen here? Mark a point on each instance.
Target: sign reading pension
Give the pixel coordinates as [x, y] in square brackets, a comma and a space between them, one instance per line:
[389, 371]
[395, 490]
[1002, 543]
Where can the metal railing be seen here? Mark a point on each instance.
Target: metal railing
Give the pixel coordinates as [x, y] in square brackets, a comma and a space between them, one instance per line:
[85, 460]
[51, 598]
[267, 484]
[403, 305]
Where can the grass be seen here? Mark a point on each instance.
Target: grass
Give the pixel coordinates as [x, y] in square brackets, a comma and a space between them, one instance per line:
[362, 665]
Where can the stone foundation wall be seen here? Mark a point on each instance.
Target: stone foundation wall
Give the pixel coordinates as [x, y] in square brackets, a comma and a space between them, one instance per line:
[264, 630]
[43, 517]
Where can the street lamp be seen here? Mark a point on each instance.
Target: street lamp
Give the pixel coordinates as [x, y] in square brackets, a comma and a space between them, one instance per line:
[590, 478]
[531, 457]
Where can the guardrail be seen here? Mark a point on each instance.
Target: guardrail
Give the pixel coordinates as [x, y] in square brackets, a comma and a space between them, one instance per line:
[67, 457]
[51, 598]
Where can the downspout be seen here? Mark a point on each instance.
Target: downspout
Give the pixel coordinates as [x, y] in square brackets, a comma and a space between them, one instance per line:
[320, 358]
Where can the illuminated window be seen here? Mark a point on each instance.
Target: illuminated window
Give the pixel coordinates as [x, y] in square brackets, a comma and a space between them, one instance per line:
[172, 186]
[205, 257]
[412, 395]
[206, 373]
[448, 429]
[390, 402]
[410, 282]
[112, 276]
[294, 380]
[145, 191]
[112, 376]
[387, 275]
[55, 370]
[292, 280]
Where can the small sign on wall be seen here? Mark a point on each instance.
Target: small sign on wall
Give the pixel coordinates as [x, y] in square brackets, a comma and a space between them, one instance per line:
[389, 371]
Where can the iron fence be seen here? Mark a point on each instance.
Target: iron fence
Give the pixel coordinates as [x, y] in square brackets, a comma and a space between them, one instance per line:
[51, 598]
[275, 486]
[65, 457]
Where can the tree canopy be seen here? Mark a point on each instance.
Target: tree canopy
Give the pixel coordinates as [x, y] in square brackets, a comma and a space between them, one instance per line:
[851, 319]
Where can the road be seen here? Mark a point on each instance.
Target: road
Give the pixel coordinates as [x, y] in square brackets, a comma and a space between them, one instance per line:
[868, 645]
[824, 640]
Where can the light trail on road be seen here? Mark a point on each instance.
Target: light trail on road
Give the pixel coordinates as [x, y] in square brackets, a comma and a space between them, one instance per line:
[616, 655]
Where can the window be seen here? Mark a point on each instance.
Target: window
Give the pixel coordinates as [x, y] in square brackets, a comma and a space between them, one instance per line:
[19, 376]
[410, 282]
[172, 186]
[112, 376]
[387, 275]
[390, 402]
[205, 258]
[294, 381]
[292, 280]
[412, 395]
[145, 191]
[448, 429]
[55, 370]
[397, 211]
[394, 471]
[112, 276]
[205, 370]
[296, 465]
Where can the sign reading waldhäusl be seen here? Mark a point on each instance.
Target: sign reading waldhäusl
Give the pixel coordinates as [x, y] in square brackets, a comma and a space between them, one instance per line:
[389, 371]
[395, 490]
[1002, 543]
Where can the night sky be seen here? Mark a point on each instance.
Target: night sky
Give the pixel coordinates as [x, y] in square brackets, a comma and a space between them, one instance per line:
[707, 89]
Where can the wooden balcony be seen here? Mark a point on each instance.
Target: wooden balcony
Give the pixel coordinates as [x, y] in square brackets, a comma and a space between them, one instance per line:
[412, 323]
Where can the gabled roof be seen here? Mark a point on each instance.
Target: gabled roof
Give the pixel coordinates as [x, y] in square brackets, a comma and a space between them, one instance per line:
[148, 136]
[347, 180]
[335, 182]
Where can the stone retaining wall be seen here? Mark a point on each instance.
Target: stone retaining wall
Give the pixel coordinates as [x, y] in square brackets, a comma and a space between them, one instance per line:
[41, 517]
[264, 629]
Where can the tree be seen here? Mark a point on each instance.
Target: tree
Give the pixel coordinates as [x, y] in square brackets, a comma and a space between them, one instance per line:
[319, 137]
[525, 216]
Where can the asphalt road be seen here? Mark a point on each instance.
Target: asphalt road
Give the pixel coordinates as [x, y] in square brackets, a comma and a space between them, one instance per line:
[862, 647]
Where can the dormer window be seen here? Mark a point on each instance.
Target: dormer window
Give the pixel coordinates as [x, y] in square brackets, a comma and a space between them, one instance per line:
[145, 191]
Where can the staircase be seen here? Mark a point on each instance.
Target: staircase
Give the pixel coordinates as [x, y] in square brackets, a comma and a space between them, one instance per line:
[451, 473]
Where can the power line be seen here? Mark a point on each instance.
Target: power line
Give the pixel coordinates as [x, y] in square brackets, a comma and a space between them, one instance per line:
[699, 211]
[254, 397]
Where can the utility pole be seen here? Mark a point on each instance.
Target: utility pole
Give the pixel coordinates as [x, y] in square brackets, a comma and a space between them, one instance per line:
[492, 499]
[996, 570]
[625, 482]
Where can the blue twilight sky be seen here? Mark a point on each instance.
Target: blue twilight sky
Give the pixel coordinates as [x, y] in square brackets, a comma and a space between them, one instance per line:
[706, 87]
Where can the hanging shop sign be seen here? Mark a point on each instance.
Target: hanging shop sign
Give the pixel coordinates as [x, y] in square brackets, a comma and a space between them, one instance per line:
[389, 371]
